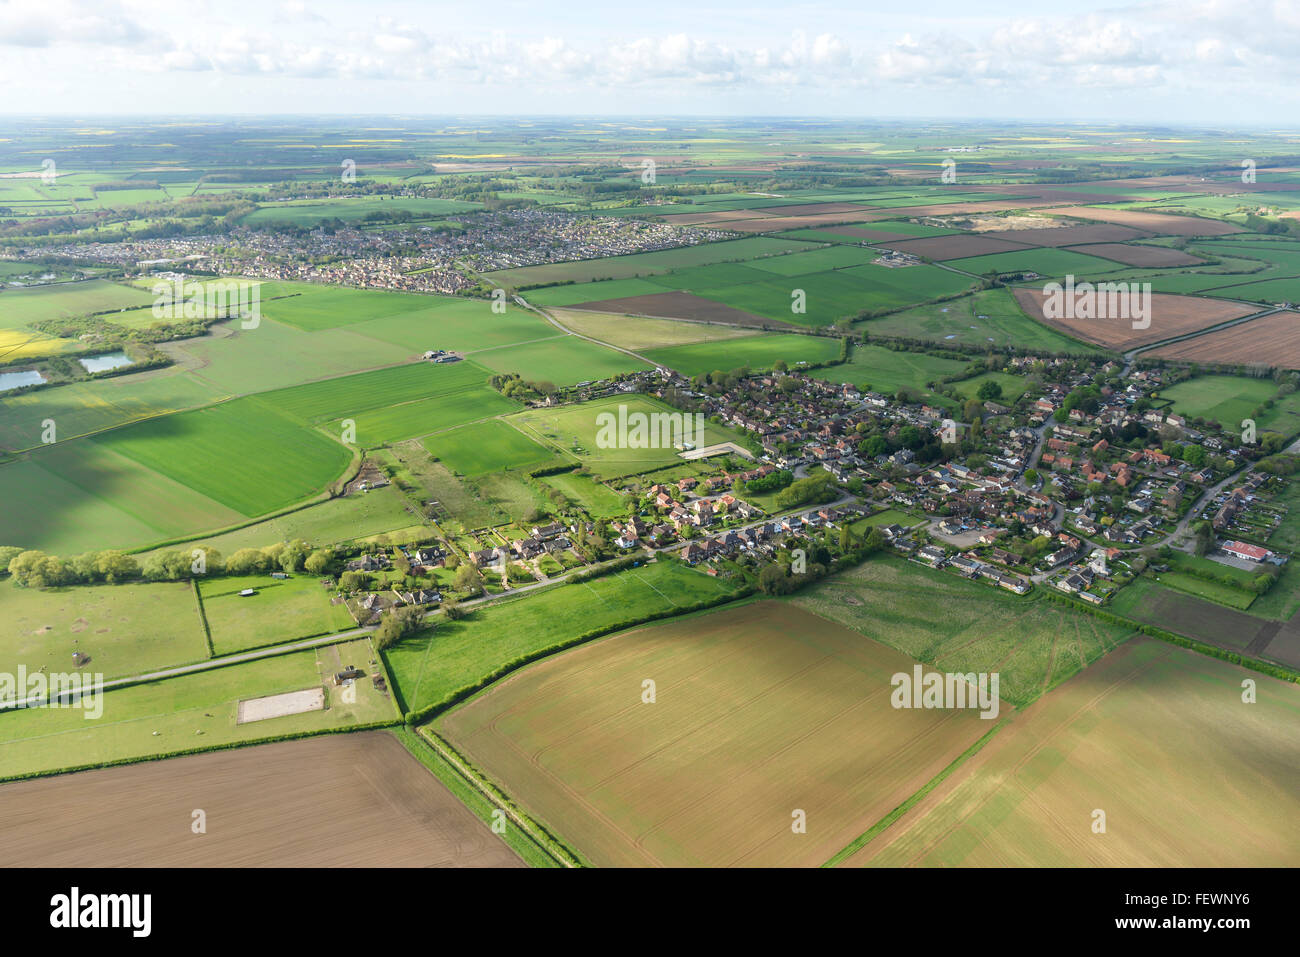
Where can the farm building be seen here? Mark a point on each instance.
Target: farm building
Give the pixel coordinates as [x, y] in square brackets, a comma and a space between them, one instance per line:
[1249, 552]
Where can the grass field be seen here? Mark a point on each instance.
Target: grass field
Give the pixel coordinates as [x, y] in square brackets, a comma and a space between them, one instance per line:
[990, 316]
[1229, 399]
[484, 447]
[573, 430]
[756, 352]
[759, 711]
[21, 307]
[281, 610]
[125, 629]
[309, 213]
[561, 360]
[459, 325]
[1013, 386]
[315, 306]
[962, 626]
[599, 500]
[1212, 591]
[430, 667]
[1051, 263]
[191, 711]
[1157, 738]
[886, 370]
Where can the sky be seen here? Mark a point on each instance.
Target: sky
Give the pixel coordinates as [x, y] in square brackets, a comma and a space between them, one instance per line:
[1189, 62]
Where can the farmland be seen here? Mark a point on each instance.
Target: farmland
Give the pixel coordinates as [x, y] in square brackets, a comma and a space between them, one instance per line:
[485, 447]
[430, 668]
[878, 369]
[965, 627]
[573, 431]
[126, 629]
[1267, 340]
[280, 610]
[736, 739]
[990, 316]
[754, 352]
[638, 333]
[1169, 316]
[561, 360]
[195, 711]
[1155, 736]
[274, 803]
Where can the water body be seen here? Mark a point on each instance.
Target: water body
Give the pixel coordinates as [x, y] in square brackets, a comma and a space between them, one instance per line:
[16, 380]
[109, 360]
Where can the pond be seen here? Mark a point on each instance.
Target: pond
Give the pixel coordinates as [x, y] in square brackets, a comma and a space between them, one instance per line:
[109, 360]
[16, 380]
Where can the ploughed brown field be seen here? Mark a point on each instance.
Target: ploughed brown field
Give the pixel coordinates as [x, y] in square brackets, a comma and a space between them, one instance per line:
[1158, 223]
[871, 235]
[338, 800]
[677, 305]
[956, 247]
[1155, 737]
[760, 711]
[1070, 235]
[814, 209]
[1139, 255]
[714, 216]
[1272, 340]
[1170, 316]
[772, 224]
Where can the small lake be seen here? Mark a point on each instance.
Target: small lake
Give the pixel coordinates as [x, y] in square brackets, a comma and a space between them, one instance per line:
[16, 380]
[110, 360]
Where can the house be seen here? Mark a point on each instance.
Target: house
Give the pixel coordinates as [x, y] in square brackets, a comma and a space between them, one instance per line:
[932, 555]
[1251, 553]
[545, 532]
[692, 554]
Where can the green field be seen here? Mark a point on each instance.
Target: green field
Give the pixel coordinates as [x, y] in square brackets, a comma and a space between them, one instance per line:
[573, 430]
[1013, 386]
[988, 317]
[309, 213]
[314, 306]
[646, 264]
[190, 712]
[1053, 263]
[561, 360]
[1211, 591]
[755, 352]
[962, 626]
[125, 629]
[1229, 399]
[484, 447]
[598, 500]
[281, 610]
[245, 454]
[878, 369]
[22, 306]
[428, 668]
[458, 325]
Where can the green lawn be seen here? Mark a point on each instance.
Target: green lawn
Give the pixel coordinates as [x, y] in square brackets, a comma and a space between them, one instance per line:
[486, 447]
[281, 610]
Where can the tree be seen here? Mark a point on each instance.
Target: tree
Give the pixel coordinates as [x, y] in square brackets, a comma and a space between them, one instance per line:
[1204, 539]
[398, 624]
[319, 561]
[988, 390]
[7, 554]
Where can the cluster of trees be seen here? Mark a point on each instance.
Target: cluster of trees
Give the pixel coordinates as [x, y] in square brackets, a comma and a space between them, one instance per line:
[36, 569]
[782, 478]
[812, 490]
[513, 386]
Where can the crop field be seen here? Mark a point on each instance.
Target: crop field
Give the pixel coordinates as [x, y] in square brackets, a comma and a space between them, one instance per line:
[646, 264]
[1053, 263]
[191, 711]
[78, 496]
[243, 454]
[1070, 235]
[877, 369]
[960, 246]
[432, 666]
[457, 325]
[679, 305]
[313, 306]
[561, 360]
[1154, 736]
[281, 610]
[639, 333]
[755, 352]
[309, 213]
[759, 710]
[383, 426]
[483, 447]
[962, 626]
[1132, 254]
[21, 307]
[881, 232]
[274, 802]
[573, 431]
[1270, 340]
[125, 629]
[1170, 316]
[1156, 223]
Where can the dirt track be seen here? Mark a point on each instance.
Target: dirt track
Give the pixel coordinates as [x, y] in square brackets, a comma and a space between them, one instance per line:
[339, 800]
